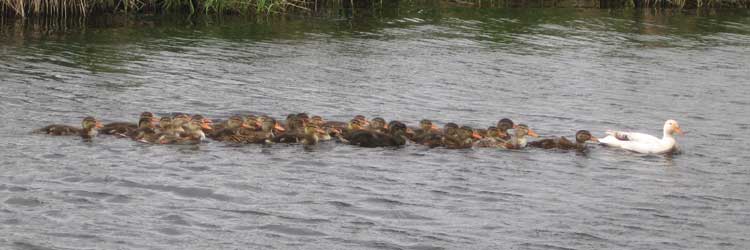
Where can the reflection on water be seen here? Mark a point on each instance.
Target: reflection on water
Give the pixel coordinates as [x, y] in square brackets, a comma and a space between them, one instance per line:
[558, 70]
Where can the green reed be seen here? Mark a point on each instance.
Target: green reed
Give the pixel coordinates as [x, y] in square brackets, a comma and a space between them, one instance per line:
[65, 8]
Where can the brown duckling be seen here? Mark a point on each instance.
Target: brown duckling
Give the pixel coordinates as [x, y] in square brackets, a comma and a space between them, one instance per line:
[362, 121]
[378, 124]
[165, 126]
[394, 137]
[146, 127]
[89, 129]
[582, 136]
[426, 132]
[328, 131]
[294, 130]
[231, 128]
[123, 128]
[269, 128]
[352, 127]
[518, 141]
[193, 134]
[491, 139]
[461, 138]
[179, 121]
[205, 120]
[253, 123]
[312, 134]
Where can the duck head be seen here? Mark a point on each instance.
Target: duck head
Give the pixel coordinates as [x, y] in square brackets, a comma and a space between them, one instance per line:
[469, 133]
[355, 124]
[583, 136]
[179, 120]
[671, 127]
[317, 120]
[378, 124]
[90, 123]
[165, 123]
[253, 122]
[522, 130]
[195, 128]
[146, 122]
[363, 120]
[313, 130]
[149, 115]
[450, 128]
[236, 122]
[426, 125]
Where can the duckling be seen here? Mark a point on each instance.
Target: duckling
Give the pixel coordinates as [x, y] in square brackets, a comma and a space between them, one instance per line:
[427, 132]
[269, 128]
[518, 141]
[294, 130]
[491, 139]
[582, 136]
[193, 134]
[352, 127]
[123, 128]
[378, 124]
[362, 120]
[328, 132]
[463, 137]
[178, 122]
[231, 128]
[253, 123]
[205, 120]
[304, 118]
[312, 132]
[146, 127]
[394, 137]
[165, 126]
[89, 129]
[503, 125]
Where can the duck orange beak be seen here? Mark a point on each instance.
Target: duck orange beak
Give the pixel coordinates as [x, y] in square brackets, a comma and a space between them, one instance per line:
[206, 120]
[532, 133]
[434, 127]
[678, 130]
[594, 139]
[244, 125]
[206, 126]
[476, 135]
[98, 125]
[278, 127]
[320, 131]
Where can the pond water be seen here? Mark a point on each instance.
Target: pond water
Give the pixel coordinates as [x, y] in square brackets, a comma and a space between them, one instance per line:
[557, 70]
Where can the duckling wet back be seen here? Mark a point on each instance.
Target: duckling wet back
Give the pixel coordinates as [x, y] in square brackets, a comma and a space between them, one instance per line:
[458, 70]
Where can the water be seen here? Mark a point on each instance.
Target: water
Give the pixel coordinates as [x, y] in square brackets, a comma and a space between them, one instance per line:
[557, 70]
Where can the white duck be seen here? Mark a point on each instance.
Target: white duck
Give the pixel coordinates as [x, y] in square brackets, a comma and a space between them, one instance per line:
[643, 143]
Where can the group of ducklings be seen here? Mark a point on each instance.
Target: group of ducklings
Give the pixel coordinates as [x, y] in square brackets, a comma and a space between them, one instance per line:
[309, 130]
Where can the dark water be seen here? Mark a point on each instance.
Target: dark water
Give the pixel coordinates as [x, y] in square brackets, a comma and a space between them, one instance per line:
[556, 70]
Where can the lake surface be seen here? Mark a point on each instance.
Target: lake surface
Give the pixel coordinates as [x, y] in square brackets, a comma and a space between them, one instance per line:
[558, 70]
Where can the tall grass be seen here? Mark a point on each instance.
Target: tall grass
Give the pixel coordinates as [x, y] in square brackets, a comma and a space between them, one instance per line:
[64, 8]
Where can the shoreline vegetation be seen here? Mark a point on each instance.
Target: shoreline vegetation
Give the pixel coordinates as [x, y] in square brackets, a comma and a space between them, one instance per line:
[83, 8]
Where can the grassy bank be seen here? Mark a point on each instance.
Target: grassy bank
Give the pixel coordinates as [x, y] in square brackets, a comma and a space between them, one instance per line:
[78, 8]
[64, 8]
